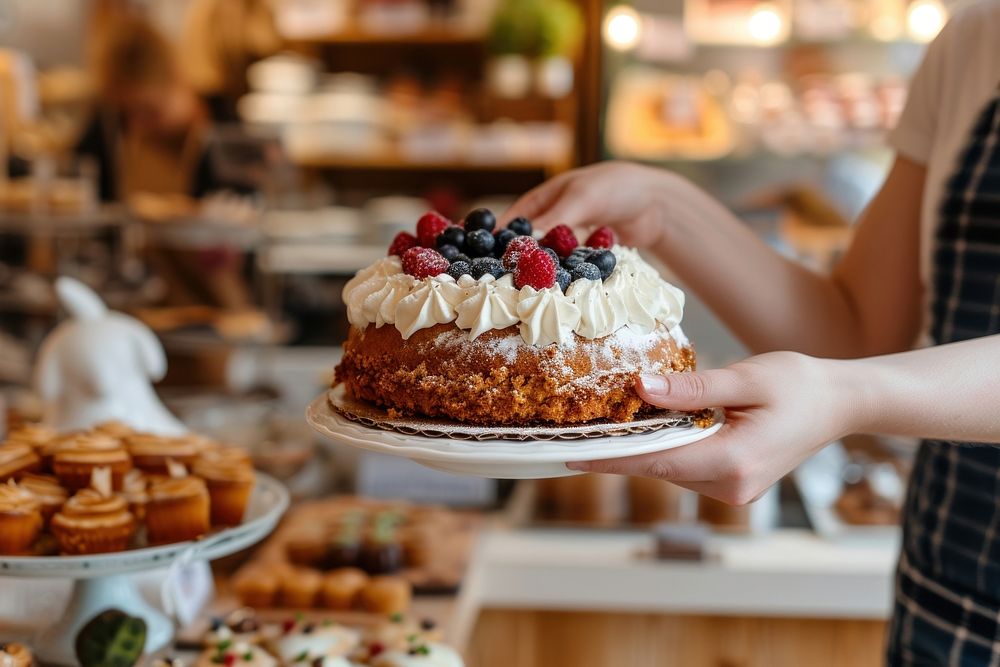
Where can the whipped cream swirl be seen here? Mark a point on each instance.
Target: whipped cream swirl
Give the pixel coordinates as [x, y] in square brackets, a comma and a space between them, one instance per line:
[634, 296]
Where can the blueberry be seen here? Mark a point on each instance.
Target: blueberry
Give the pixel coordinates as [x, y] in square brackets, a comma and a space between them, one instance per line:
[553, 255]
[487, 265]
[520, 226]
[582, 251]
[586, 271]
[503, 237]
[459, 269]
[603, 260]
[453, 235]
[480, 218]
[479, 243]
[461, 257]
[573, 261]
[448, 251]
[563, 279]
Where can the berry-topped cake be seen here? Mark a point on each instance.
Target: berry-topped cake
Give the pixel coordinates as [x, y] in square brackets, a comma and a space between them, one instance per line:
[490, 326]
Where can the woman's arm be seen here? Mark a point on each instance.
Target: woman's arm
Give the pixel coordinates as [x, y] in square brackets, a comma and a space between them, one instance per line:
[782, 407]
[871, 305]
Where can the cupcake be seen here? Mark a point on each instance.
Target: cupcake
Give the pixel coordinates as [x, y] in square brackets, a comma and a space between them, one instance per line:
[93, 523]
[15, 655]
[115, 429]
[47, 490]
[301, 589]
[150, 453]
[342, 588]
[74, 461]
[386, 594]
[20, 519]
[177, 510]
[230, 481]
[257, 586]
[36, 435]
[17, 459]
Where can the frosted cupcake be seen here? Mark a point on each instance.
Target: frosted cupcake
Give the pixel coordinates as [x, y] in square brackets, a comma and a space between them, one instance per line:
[20, 519]
[177, 510]
[230, 481]
[36, 435]
[48, 491]
[17, 459]
[150, 453]
[75, 461]
[93, 523]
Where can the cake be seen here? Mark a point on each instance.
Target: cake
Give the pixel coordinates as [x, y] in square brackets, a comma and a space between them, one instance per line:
[491, 327]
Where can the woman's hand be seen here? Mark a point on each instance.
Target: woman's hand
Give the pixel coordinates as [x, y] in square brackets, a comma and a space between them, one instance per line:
[627, 197]
[780, 408]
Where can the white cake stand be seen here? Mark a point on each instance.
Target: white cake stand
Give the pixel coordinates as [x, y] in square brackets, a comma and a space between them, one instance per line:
[499, 459]
[102, 582]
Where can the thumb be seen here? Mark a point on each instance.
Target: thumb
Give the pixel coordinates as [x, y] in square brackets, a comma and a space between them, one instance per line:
[694, 391]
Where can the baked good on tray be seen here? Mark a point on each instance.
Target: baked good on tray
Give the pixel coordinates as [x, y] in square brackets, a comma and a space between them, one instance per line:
[489, 326]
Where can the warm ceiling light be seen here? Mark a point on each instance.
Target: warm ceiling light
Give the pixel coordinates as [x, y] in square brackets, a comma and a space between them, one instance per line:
[622, 28]
[766, 23]
[925, 18]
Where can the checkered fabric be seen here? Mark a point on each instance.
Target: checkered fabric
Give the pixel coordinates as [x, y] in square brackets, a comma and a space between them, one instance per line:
[947, 609]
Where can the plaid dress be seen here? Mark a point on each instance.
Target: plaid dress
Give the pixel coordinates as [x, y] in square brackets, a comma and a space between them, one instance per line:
[947, 608]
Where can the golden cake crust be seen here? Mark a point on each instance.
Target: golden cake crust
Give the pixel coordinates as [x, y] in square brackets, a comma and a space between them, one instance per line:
[498, 379]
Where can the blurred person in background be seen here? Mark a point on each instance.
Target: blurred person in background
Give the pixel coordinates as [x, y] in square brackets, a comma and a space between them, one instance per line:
[150, 139]
[834, 351]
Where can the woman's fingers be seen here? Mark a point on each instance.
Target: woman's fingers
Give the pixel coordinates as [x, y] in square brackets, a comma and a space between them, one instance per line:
[694, 391]
[537, 201]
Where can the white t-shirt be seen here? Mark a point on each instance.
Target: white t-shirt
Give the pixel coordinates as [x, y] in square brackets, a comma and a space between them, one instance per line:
[960, 74]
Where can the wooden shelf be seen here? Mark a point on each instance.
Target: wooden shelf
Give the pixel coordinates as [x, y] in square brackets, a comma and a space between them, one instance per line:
[396, 163]
[432, 35]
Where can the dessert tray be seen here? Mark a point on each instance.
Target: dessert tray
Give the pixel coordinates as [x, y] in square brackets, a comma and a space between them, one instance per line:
[101, 581]
[502, 453]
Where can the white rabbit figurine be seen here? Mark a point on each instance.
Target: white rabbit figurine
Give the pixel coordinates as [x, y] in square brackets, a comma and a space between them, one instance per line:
[99, 365]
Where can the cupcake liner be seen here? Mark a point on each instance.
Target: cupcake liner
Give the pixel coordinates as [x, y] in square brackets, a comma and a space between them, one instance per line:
[18, 532]
[85, 541]
[229, 500]
[177, 520]
[75, 476]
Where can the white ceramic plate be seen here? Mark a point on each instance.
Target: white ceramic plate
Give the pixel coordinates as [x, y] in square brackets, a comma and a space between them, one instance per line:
[500, 459]
[268, 502]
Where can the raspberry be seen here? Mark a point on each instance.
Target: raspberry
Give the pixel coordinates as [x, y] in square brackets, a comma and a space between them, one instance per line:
[535, 268]
[603, 237]
[403, 242]
[424, 263]
[429, 226]
[561, 239]
[514, 250]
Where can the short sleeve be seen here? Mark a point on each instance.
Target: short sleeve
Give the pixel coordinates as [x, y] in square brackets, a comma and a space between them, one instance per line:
[914, 133]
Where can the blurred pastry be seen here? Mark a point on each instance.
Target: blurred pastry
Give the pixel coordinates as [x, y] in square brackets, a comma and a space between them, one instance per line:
[653, 500]
[20, 519]
[15, 655]
[17, 459]
[417, 544]
[75, 460]
[235, 654]
[150, 453]
[230, 482]
[135, 488]
[241, 625]
[257, 586]
[418, 654]
[36, 435]
[308, 547]
[342, 588]
[50, 494]
[301, 589]
[177, 510]
[92, 523]
[304, 641]
[222, 455]
[386, 595]
[115, 429]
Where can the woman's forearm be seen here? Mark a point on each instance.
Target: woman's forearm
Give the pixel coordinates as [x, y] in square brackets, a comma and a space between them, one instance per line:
[769, 301]
[948, 392]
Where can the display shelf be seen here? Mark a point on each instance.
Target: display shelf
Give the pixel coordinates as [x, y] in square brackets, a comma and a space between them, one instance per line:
[433, 34]
[101, 580]
[396, 162]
